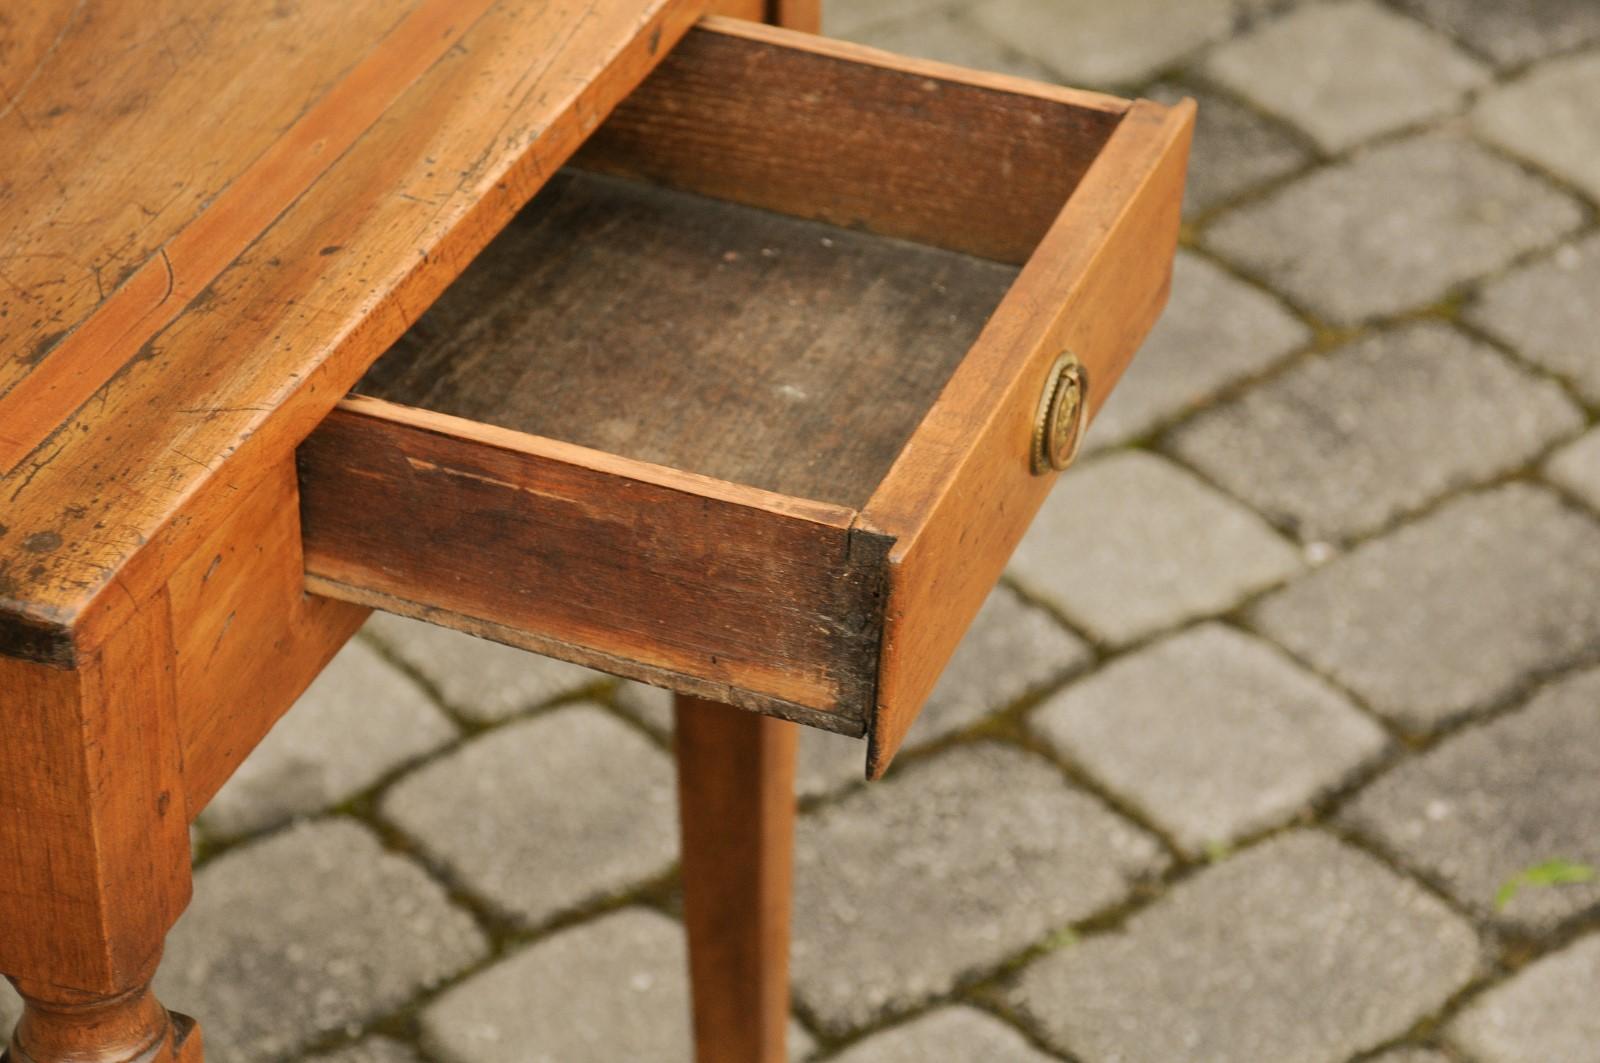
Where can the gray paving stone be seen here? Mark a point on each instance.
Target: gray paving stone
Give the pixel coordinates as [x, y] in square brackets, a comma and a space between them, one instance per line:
[1341, 444]
[955, 1033]
[1497, 800]
[1394, 228]
[1129, 544]
[1546, 310]
[1548, 117]
[1346, 71]
[1235, 149]
[1452, 613]
[1544, 1014]
[828, 762]
[951, 38]
[372, 1050]
[546, 814]
[612, 989]
[651, 706]
[1211, 733]
[1411, 1055]
[482, 680]
[906, 888]
[607, 990]
[851, 18]
[1512, 33]
[313, 931]
[802, 1047]
[1089, 42]
[1216, 331]
[1576, 467]
[1012, 649]
[1301, 948]
[359, 721]
[10, 1010]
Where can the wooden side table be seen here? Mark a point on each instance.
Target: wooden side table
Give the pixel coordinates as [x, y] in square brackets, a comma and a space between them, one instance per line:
[752, 401]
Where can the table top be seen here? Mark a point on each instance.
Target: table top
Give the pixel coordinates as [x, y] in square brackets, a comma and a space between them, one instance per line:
[214, 215]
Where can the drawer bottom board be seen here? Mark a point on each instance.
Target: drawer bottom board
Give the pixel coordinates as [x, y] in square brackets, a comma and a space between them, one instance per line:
[701, 335]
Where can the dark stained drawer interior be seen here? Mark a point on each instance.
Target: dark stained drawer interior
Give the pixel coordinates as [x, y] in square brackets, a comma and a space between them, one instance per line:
[747, 402]
[725, 340]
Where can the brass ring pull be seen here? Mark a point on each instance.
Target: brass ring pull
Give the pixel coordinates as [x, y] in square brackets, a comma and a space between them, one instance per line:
[1063, 409]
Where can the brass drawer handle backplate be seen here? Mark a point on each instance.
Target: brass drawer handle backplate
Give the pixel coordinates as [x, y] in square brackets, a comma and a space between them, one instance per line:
[1063, 408]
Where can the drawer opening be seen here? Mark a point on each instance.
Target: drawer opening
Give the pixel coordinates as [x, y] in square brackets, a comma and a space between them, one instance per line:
[797, 253]
[744, 402]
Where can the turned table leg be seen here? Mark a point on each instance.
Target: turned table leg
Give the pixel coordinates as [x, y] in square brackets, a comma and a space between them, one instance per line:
[737, 802]
[128, 1027]
[96, 843]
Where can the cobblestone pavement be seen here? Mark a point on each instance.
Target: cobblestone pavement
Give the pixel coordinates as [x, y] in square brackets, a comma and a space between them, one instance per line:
[1298, 670]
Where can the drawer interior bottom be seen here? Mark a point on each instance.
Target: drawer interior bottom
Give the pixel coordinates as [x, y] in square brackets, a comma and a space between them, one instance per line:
[747, 402]
[694, 333]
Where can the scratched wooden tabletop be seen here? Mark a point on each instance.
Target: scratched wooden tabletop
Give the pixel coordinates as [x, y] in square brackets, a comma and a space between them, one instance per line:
[214, 214]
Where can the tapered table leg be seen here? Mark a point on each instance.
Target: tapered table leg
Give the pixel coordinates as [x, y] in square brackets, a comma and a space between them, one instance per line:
[737, 802]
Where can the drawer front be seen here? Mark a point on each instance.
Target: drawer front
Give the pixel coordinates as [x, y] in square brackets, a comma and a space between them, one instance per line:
[752, 414]
[724, 592]
[965, 488]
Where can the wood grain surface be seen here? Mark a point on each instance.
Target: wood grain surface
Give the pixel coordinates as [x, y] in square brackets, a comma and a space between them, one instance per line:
[109, 215]
[715, 589]
[764, 351]
[248, 638]
[802, 15]
[689, 332]
[962, 493]
[94, 838]
[972, 162]
[65, 1026]
[428, 154]
[748, 9]
[736, 802]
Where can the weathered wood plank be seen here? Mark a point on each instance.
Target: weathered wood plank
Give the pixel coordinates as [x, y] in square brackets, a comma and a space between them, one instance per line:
[94, 844]
[962, 493]
[248, 638]
[124, 491]
[802, 15]
[859, 138]
[748, 9]
[713, 589]
[748, 346]
[110, 218]
[625, 332]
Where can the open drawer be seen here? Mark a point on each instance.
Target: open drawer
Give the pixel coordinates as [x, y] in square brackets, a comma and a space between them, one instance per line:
[748, 403]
